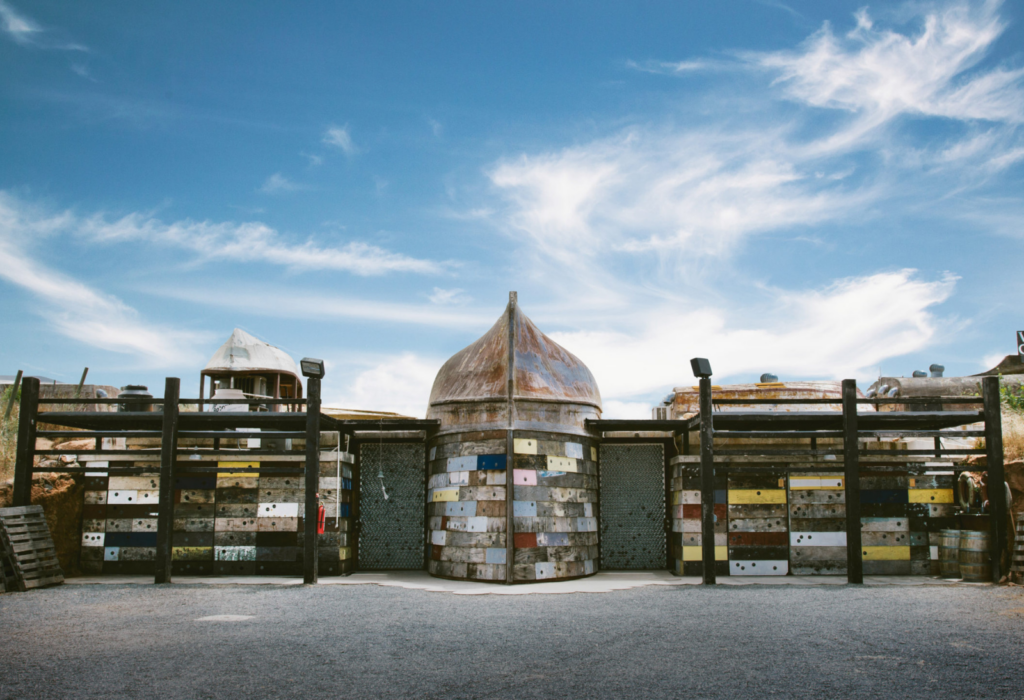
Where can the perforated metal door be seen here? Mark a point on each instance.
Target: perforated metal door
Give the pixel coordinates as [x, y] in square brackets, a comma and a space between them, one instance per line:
[632, 507]
[391, 529]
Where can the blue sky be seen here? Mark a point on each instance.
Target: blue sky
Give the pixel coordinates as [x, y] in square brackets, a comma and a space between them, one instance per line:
[816, 190]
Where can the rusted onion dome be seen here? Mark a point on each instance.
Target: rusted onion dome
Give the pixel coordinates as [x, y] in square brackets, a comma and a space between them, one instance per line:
[551, 388]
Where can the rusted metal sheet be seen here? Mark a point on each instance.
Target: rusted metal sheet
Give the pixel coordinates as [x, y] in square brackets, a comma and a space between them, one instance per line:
[551, 389]
[685, 399]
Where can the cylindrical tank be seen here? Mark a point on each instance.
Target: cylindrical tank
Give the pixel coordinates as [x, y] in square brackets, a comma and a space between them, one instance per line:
[138, 395]
[513, 400]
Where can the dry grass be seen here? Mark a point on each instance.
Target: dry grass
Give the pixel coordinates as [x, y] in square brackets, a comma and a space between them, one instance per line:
[8, 438]
[1013, 435]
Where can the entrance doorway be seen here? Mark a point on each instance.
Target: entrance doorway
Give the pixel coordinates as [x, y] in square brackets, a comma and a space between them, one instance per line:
[391, 515]
[633, 506]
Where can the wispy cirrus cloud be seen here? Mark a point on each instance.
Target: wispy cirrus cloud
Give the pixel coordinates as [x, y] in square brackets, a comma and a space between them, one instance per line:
[882, 73]
[75, 309]
[25, 32]
[211, 241]
[703, 190]
[340, 137]
[842, 330]
[681, 198]
[277, 183]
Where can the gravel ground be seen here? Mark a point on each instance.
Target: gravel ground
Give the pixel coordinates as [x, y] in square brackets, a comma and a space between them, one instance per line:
[376, 642]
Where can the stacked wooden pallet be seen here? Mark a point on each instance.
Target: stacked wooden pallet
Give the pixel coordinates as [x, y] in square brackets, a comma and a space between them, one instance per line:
[28, 558]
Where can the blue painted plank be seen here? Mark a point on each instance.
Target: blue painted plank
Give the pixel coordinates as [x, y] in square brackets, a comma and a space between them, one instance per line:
[490, 462]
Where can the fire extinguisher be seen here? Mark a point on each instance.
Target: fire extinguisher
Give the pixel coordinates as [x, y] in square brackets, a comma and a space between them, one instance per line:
[321, 516]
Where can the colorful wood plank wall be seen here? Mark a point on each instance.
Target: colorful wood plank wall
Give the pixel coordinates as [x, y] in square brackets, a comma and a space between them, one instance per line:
[554, 492]
[554, 506]
[771, 524]
[685, 541]
[758, 524]
[466, 506]
[817, 523]
[231, 522]
[931, 506]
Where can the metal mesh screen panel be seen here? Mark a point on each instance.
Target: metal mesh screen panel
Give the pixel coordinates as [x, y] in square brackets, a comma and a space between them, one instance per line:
[391, 533]
[632, 507]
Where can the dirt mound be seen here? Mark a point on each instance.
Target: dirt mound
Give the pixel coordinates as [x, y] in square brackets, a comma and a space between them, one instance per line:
[61, 496]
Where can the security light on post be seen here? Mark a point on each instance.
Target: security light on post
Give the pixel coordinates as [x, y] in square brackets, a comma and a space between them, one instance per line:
[311, 367]
[701, 367]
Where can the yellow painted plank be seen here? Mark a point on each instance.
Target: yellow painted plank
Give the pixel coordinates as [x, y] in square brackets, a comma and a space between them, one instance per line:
[930, 495]
[445, 495]
[345, 553]
[694, 553]
[751, 496]
[899, 553]
[561, 464]
[525, 446]
[237, 465]
[192, 553]
[676, 495]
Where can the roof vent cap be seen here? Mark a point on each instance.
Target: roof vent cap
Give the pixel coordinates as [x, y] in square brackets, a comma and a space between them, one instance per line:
[768, 377]
[937, 370]
[918, 374]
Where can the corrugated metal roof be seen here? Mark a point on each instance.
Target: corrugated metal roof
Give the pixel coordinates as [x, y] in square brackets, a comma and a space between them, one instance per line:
[245, 353]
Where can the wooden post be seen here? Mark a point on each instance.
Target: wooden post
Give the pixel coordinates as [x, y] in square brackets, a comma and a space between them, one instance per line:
[851, 462]
[310, 538]
[26, 450]
[510, 444]
[168, 460]
[996, 476]
[707, 483]
[14, 394]
[81, 383]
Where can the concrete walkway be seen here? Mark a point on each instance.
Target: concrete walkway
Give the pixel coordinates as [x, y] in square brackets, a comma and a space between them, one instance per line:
[603, 582]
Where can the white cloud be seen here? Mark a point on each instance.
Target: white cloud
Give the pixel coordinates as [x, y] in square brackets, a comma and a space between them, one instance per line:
[397, 383]
[881, 73]
[840, 331]
[679, 67]
[25, 32]
[700, 192]
[314, 160]
[340, 137]
[235, 242]
[679, 195]
[436, 127]
[448, 296]
[279, 183]
[82, 70]
[79, 311]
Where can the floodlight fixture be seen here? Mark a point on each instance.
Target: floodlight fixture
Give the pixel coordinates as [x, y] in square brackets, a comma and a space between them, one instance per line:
[701, 367]
[312, 367]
